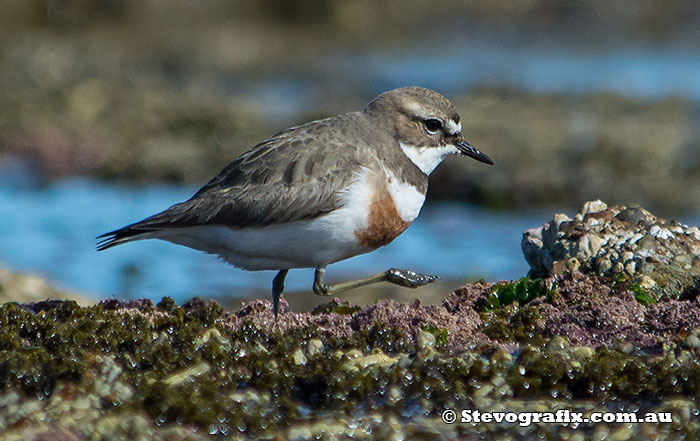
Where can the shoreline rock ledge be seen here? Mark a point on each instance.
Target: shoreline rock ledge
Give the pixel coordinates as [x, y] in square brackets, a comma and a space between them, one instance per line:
[619, 243]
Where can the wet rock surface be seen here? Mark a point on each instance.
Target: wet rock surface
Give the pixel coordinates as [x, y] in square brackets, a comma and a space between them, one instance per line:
[386, 371]
[629, 245]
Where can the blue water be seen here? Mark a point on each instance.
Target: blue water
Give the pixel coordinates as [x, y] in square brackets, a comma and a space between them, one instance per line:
[51, 230]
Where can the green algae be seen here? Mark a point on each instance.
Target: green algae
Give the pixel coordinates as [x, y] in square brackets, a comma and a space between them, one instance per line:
[514, 324]
[522, 291]
[167, 304]
[343, 308]
[185, 366]
[441, 335]
[621, 282]
[642, 295]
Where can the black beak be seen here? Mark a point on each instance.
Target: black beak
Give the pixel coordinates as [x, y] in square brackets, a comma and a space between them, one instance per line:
[468, 150]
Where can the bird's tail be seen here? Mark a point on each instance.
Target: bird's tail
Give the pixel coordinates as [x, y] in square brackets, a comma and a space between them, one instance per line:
[118, 237]
[177, 216]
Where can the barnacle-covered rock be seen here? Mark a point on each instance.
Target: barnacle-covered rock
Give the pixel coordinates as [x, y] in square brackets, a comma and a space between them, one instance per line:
[621, 243]
[132, 370]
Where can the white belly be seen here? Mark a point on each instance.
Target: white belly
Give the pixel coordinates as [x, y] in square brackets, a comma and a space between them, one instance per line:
[302, 244]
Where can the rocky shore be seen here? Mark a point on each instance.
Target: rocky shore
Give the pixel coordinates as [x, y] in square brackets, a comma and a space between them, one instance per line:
[576, 335]
[624, 245]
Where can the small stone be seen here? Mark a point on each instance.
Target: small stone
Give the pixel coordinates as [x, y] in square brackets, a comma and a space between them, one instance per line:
[618, 267]
[695, 232]
[600, 433]
[561, 217]
[259, 348]
[299, 358]
[501, 356]
[532, 247]
[583, 352]
[633, 215]
[627, 256]
[593, 207]
[405, 361]
[626, 347]
[593, 222]
[394, 395]
[666, 234]
[679, 407]
[483, 391]
[353, 353]
[692, 342]
[648, 243]
[559, 266]
[683, 259]
[622, 240]
[588, 246]
[604, 265]
[314, 347]
[557, 344]
[630, 267]
[549, 235]
[180, 377]
[635, 238]
[381, 360]
[299, 433]
[498, 381]
[646, 282]
[660, 233]
[573, 264]
[425, 341]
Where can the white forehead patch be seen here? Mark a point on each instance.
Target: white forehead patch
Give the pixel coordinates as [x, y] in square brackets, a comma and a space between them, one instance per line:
[417, 110]
[453, 127]
[427, 158]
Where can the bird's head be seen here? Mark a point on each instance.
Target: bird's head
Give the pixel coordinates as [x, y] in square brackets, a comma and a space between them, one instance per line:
[425, 124]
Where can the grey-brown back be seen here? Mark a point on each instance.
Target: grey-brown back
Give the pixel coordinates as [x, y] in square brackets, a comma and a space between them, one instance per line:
[297, 174]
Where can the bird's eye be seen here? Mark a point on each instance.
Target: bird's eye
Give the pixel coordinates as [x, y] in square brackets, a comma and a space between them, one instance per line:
[432, 125]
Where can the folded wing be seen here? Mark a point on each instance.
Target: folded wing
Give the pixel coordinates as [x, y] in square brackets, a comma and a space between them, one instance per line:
[296, 175]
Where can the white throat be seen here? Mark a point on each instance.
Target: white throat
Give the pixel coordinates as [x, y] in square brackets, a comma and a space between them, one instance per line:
[427, 158]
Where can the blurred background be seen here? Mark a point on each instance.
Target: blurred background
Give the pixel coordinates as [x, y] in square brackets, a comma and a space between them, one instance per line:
[112, 110]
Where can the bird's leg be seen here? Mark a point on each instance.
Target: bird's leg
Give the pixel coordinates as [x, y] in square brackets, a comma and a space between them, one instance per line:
[277, 288]
[406, 278]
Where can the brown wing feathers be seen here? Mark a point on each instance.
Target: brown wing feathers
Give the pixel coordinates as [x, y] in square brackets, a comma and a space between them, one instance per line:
[272, 183]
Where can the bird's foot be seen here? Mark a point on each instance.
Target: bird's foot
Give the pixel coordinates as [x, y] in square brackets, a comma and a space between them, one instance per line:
[408, 278]
[321, 289]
